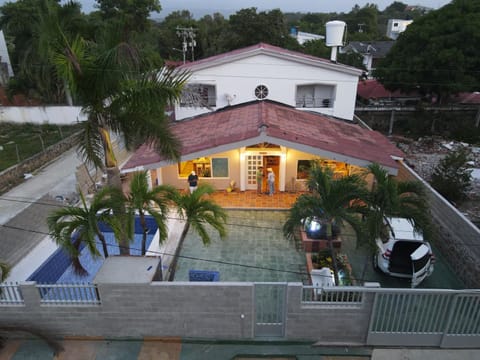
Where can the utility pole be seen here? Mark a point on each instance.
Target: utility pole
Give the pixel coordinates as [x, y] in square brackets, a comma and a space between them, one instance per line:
[188, 41]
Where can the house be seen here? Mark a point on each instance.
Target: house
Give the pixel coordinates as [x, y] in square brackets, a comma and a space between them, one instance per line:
[371, 92]
[259, 108]
[264, 71]
[396, 26]
[371, 52]
[302, 37]
[6, 71]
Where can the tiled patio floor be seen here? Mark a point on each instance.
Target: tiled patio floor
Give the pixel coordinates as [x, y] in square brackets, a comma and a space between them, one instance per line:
[254, 250]
[251, 200]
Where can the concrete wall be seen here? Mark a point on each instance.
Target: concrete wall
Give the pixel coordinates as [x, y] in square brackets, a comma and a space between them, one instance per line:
[60, 115]
[327, 325]
[195, 310]
[14, 174]
[456, 237]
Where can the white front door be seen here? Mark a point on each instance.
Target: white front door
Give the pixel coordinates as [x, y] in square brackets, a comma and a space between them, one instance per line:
[253, 163]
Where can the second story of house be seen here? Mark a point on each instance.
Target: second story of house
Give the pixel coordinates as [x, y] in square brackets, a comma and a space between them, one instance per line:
[264, 71]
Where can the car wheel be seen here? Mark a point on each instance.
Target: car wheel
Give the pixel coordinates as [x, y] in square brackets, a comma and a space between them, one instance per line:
[375, 263]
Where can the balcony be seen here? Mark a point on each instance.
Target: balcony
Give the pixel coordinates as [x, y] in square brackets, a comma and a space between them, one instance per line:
[313, 102]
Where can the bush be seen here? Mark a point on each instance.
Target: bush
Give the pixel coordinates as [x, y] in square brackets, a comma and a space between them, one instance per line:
[452, 178]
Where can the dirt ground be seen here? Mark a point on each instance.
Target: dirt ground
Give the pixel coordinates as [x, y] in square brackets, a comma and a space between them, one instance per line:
[424, 154]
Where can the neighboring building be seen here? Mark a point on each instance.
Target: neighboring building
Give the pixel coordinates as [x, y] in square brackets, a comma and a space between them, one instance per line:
[371, 51]
[371, 92]
[6, 71]
[303, 37]
[396, 26]
[265, 106]
[472, 98]
[264, 71]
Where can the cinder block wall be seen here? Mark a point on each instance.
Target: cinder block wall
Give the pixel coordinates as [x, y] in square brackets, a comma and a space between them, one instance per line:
[456, 237]
[327, 324]
[199, 310]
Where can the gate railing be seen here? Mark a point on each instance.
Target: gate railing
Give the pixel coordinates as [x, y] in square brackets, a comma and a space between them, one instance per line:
[448, 318]
[68, 294]
[10, 294]
[348, 296]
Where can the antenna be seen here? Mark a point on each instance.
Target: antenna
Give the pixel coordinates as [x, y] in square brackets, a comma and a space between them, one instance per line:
[188, 40]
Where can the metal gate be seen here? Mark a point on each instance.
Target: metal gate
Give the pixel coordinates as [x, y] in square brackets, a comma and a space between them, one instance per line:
[463, 327]
[270, 300]
[425, 318]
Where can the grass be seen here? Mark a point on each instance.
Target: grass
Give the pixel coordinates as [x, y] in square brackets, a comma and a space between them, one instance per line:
[21, 141]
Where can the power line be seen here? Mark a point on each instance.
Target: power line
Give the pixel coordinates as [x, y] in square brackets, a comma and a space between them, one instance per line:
[180, 256]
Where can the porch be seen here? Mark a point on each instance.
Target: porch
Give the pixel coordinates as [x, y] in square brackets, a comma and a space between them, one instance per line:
[249, 199]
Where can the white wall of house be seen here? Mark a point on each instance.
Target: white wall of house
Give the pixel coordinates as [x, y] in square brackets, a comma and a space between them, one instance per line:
[59, 115]
[169, 174]
[238, 79]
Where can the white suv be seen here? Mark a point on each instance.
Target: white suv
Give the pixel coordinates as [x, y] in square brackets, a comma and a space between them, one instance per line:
[404, 254]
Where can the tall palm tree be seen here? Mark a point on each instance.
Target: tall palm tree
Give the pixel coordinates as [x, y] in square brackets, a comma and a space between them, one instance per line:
[82, 224]
[389, 197]
[4, 271]
[142, 200]
[198, 210]
[120, 93]
[334, 201]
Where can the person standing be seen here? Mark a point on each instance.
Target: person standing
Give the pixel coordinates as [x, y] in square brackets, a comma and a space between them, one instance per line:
[259, 180]
[271, 181]
[192, 181]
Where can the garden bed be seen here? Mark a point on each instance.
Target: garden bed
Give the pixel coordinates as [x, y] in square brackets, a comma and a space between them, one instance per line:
[323, 258]
[315, 245]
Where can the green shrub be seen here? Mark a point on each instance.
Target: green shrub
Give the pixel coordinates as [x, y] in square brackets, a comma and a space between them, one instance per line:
[452, 177]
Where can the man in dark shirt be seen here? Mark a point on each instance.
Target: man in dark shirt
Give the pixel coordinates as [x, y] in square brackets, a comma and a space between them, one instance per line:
[192, 181]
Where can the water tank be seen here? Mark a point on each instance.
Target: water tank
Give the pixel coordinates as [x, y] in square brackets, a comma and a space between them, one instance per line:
[335, 30]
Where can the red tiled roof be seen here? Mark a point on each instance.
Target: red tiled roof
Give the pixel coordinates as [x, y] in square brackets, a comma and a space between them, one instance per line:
[17, 100]
[372, 89]
[240, 123]
[467, 98]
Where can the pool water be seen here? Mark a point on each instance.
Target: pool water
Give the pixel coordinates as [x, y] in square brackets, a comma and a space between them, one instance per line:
[58, 267]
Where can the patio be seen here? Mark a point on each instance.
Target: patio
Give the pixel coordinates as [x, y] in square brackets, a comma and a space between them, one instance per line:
[254, 250]
[257, 247]
[251, 200]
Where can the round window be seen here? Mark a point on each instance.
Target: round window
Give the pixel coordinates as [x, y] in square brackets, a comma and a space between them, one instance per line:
[261, 92]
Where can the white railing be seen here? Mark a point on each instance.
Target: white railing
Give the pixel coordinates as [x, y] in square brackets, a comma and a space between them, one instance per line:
[349, 296]
[10, 294]
[313, 102]
[68, 294]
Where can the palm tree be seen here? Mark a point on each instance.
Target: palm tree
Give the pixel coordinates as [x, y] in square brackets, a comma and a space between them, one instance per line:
[389, 197]
[120, 93]
[142, 200]
[198, 210]
[334, 201]
[72, 226]
[4, 271]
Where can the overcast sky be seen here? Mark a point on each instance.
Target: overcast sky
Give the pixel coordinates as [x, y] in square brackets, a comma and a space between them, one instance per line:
[201, 7]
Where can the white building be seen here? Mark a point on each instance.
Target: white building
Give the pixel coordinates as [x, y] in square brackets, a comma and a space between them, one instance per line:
[302, 37]
[265, 107]
[264, 71]
[396, 26]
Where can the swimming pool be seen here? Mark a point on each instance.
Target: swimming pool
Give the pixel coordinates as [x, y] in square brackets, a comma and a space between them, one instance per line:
[58, 267]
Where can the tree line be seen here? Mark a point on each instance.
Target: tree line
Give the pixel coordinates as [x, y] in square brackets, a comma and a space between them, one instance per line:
[30, 27]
